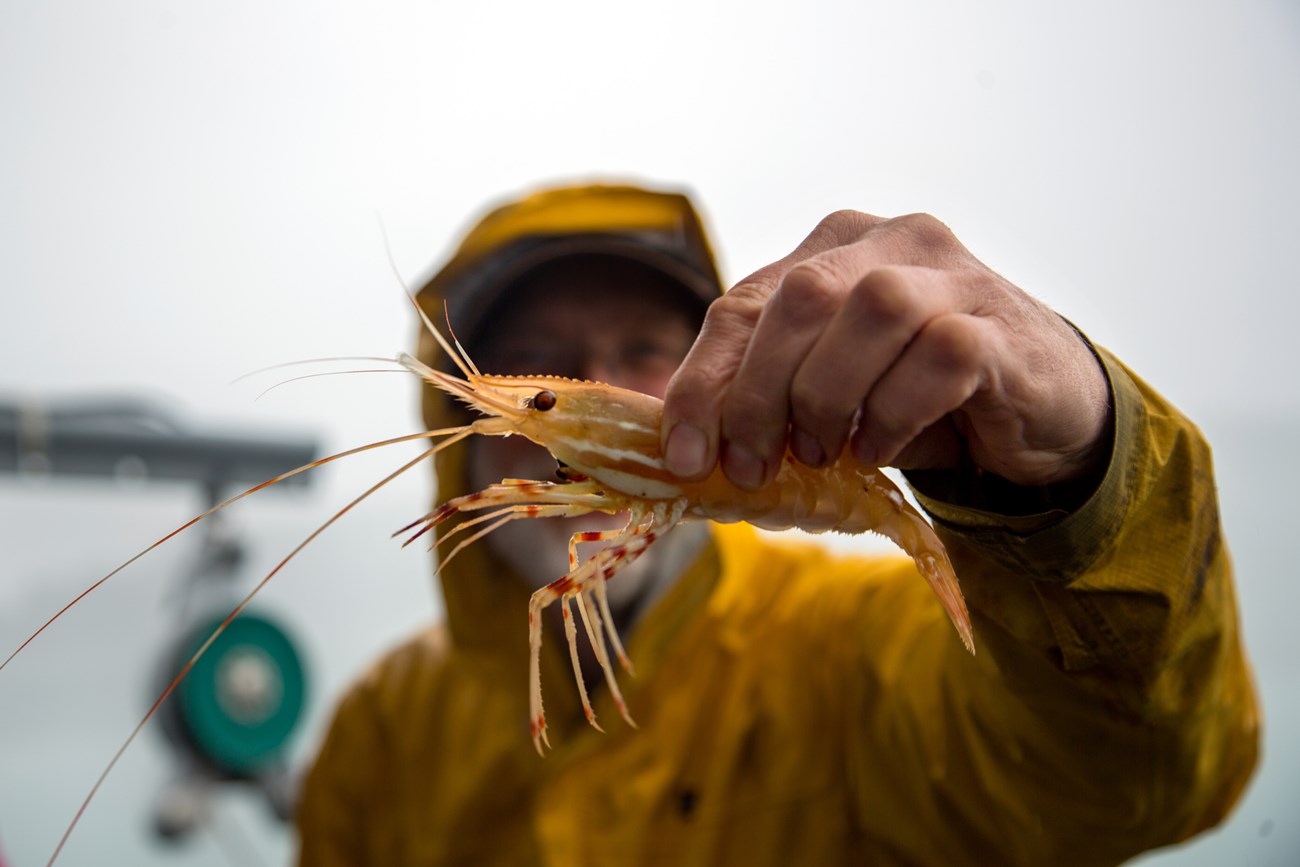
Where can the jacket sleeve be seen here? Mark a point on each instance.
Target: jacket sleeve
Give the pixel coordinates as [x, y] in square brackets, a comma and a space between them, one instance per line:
[1110, 708]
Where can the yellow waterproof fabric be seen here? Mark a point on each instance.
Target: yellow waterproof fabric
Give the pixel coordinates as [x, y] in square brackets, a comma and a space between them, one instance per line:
[605, 209]
[801, 708]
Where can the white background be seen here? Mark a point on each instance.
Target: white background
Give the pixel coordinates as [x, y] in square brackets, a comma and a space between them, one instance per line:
[189, 192]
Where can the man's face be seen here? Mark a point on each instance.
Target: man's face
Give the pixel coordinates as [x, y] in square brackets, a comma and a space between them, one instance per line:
[601, 320]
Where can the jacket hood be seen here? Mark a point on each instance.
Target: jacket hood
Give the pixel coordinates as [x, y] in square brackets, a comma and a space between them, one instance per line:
[485, 602]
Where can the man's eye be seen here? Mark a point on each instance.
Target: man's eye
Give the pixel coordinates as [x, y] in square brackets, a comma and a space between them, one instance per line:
[642, 350]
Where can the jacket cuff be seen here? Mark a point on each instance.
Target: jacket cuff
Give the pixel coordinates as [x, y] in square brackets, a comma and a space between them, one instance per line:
[1055, 532]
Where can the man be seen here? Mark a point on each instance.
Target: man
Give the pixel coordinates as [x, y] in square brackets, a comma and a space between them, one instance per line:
[794, 707]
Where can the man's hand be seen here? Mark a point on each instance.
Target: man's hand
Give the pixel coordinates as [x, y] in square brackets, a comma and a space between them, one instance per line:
[890, 336]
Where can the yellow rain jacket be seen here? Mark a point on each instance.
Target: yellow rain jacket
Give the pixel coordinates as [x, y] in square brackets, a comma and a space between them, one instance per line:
[797, 707]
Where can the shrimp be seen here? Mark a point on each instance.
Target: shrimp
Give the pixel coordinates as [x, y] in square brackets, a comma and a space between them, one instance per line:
[607, 443]
[606, 440]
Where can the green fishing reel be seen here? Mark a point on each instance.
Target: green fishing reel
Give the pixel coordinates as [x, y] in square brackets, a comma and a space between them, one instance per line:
[238, 707]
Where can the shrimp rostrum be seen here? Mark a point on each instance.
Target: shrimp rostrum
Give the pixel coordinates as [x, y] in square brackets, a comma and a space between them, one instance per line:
[607, 443]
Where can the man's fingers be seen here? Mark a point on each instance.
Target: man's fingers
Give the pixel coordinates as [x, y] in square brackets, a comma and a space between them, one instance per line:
[692, 403]
[892, 326]
[755, 411]
[948, 362]
[694, 394]
[879, 317]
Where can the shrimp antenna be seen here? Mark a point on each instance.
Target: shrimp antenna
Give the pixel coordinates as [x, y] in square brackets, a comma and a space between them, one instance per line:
[456, 432]
[302, 361]
[267, 391]
[468, 370]
[446, 314]
[437, 335]
[216, 633]
[455, 387]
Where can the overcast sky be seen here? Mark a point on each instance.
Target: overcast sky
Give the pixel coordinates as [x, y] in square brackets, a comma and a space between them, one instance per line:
[189, 192]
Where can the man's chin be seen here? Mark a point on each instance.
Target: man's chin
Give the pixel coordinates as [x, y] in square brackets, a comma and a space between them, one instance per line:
[538, 550]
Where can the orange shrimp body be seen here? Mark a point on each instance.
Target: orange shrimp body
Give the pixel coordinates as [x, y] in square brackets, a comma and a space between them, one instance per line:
[608, 444]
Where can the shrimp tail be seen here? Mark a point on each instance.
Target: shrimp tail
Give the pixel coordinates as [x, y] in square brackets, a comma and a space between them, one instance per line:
[894, 518]
[939, 574]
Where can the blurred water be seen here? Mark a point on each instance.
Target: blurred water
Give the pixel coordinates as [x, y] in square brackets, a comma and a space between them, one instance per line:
[73, 696]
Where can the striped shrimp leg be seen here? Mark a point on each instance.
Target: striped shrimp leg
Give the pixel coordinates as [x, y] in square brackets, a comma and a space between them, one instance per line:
[589, 577]
[584, 497]
[617, 539]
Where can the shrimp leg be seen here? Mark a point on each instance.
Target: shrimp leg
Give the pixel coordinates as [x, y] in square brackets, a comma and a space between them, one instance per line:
[591, 575]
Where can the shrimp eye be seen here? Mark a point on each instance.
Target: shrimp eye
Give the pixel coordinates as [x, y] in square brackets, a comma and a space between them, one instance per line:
[544, 400]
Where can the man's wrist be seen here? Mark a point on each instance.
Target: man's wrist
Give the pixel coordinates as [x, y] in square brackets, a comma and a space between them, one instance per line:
[1051, 532]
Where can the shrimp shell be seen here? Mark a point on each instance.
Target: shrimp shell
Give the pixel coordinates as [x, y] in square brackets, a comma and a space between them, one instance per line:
[607, 442]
